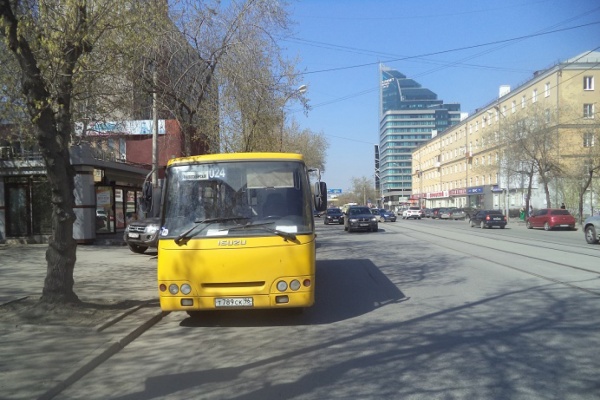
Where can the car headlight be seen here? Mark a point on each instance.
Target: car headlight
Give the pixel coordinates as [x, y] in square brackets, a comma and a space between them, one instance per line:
[151, 229]
[373, 219]
[352, 220]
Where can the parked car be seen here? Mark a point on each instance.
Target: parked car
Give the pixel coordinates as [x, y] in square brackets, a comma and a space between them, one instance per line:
[551, 218]
[101, 219]
[458, 213]
[427, 212]
[412, 212]
[360, 218]
[591, 228]
[469, 211]
[333, 215]
[384, 215]
[435, 213]
[445, 212]
[488, 219]
[142, 234]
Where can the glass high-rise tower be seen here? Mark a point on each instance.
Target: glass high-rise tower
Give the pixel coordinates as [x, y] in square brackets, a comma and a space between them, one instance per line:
[409, 115]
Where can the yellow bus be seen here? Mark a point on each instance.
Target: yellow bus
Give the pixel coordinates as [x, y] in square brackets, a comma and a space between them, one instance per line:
[238, 232]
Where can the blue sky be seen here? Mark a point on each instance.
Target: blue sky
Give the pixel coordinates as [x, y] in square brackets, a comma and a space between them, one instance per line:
[463, 50]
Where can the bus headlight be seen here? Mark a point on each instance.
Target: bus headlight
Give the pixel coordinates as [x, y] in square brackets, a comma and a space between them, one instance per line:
[173, 289]
[186, 289]
[295, 284]
[282, 286]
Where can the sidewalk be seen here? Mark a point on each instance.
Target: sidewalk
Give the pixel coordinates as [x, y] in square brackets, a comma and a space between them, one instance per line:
[119, 288]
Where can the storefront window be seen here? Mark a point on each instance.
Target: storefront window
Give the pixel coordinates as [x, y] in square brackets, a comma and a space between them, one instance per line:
[104, 210]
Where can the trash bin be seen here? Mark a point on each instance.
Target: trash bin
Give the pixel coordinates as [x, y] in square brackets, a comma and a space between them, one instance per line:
[522, 215]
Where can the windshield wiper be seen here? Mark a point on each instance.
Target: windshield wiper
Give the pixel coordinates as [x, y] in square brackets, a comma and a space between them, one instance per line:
[207, 221]
[286, 235]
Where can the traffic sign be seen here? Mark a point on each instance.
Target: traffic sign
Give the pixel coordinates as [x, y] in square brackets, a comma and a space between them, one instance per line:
[334, 191]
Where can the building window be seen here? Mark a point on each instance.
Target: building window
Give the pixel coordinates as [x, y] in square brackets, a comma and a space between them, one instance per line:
[588, 83]
[588, 111]
[534, 96]
[514, 106]
[589, 139]
[523, 100]
[547, 89]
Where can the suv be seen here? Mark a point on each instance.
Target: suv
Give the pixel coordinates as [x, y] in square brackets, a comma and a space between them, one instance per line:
[141, 234]
[360, 218]
[412, 212]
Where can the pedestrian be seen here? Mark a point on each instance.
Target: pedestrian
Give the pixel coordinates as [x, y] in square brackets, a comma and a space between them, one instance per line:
[563, 206]
[530, 210]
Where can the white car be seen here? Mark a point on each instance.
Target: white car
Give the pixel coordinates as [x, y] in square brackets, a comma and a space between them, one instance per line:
[412, 212]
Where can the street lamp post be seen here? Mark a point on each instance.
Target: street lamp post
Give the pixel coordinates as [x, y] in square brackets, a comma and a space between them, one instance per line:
[300, 90]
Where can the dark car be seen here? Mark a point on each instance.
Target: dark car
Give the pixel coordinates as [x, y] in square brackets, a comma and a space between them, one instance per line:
[333, 215]
[360, 218]
[384, 215]
[551, 218]
[142, 234]
[435, 213]
[591, 227]
[488, 219]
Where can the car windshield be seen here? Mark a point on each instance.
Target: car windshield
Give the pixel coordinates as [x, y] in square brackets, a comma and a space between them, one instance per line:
[359, 210]
[334, 211]
[560, 212]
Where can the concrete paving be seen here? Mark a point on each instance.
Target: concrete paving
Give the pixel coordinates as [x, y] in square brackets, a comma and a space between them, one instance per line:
[37, 361]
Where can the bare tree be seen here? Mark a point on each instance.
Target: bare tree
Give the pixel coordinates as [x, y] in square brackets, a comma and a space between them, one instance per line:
[526, 148]
[226, 92]
[310, 144]
[51, 42]
[584, 165]
[363, 190]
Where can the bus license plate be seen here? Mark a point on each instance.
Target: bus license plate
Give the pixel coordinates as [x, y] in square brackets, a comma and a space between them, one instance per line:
[234, 302]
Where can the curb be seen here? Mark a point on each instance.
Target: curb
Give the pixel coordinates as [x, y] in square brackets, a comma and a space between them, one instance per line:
[100, 356]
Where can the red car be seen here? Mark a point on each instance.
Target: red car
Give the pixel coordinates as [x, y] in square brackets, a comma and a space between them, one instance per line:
[550, 218]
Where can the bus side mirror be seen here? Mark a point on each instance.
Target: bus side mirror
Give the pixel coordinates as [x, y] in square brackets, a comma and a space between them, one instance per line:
[320, 196]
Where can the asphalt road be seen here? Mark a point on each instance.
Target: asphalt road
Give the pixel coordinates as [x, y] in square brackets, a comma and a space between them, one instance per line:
[419, 310]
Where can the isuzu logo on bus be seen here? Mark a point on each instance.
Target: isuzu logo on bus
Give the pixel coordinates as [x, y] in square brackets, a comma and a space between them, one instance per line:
[236, 242]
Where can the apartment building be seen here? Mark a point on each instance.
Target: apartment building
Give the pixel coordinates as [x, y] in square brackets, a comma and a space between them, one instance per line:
[475, 162]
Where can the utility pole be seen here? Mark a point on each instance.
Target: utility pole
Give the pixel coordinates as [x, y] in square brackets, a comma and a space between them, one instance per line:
[154, 131]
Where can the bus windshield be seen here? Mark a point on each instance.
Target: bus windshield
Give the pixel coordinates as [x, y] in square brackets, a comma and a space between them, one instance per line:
[237, 198]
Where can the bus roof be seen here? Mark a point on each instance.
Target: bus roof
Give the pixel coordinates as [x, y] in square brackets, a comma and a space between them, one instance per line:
[236, 157]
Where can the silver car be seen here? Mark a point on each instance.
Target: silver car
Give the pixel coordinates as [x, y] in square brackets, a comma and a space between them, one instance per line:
[142, 234]
[591, 229]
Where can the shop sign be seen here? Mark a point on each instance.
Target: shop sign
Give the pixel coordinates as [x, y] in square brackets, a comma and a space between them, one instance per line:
[475, 190]
[458, 192]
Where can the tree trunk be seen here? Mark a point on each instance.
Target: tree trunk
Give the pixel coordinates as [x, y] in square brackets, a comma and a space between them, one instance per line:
[53, 133]
[51, 117]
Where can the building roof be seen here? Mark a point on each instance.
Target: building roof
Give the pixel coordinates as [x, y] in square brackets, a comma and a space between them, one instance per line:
[585, 57]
